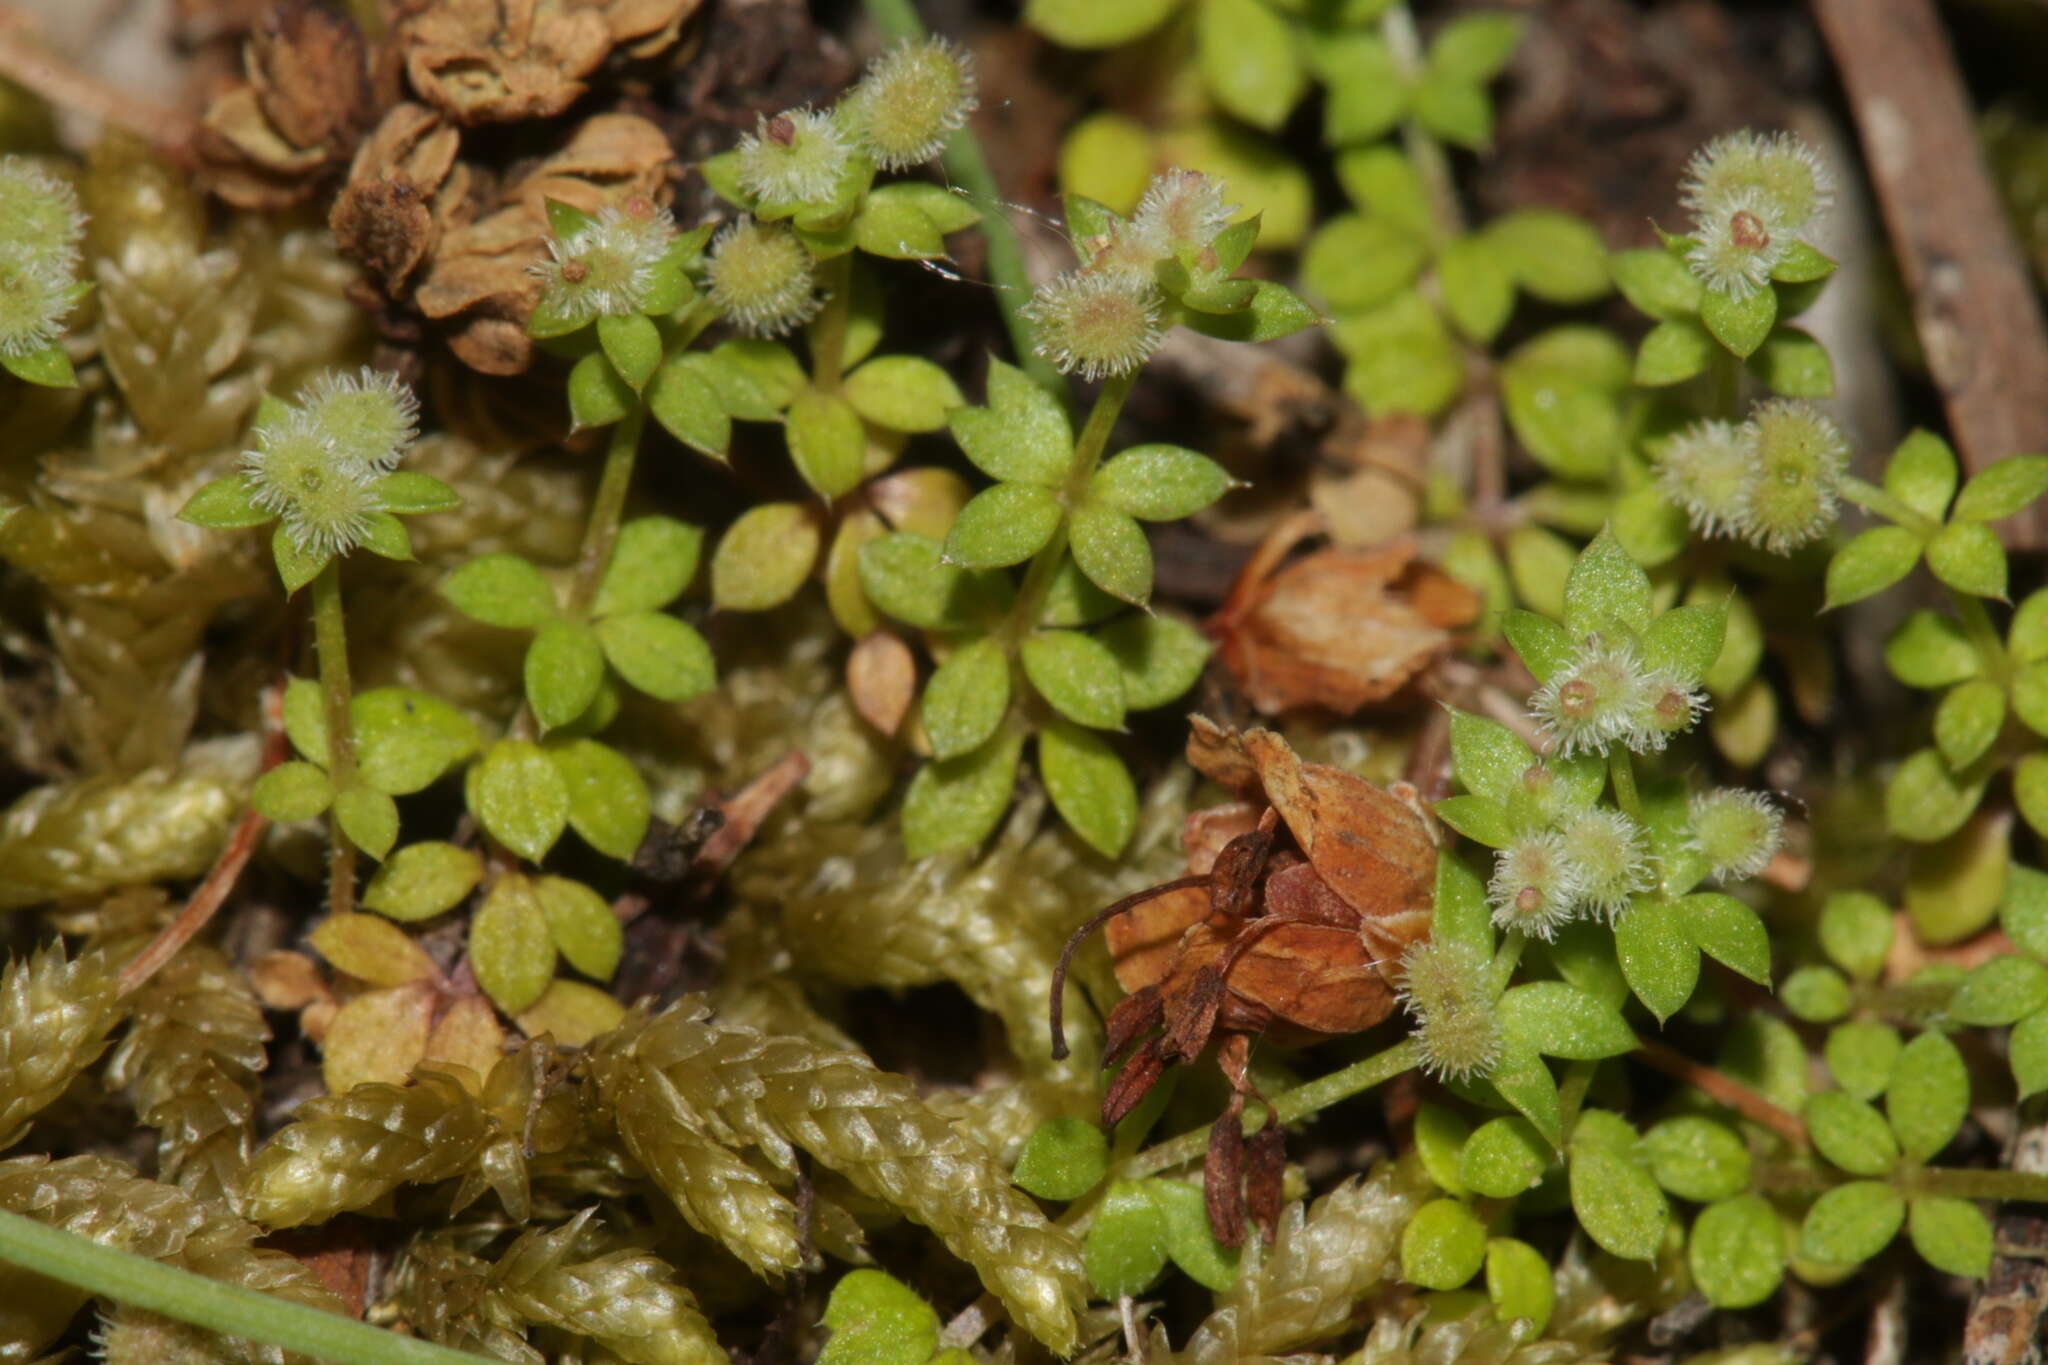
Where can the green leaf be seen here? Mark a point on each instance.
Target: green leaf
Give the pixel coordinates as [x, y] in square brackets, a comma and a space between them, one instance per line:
[1483, 821]
[1274, 312]
[2023, 911]
[953, 803]
[1381, 179]
[1697, 1158]
[1802, 264]
[420, 881]
[1462, 914]
[653, 560]
[2030, 790]
[564, 666]
[903, 393]
[406, 739]
[1440, 1138]
[291, 792]
[1487, 757]
[1189, 1240]
[1089, 785]
[1540, 642]
[1455, 109]
[1606, 589]
[1477, 287]
[1022, 436]
[2001, 991]
[1652, 530]
[368, 817]
[2030, 697]
[1657, 955]
[1526, 1083]
[2028, 1053]
[1816, 994]
[510, 948]
[296, 566]
[1730, 932]
[585, 931]
[1160, 656]
[768, 367]
[898, 228]
[598, 397]
[1519, 1284]
[663, 657]
[1617, 1201]
[1870, 563]
[1476, 47]
[305, 720]
[967, 698]
[826, 442]
[1572, 428]
[686, 400]
[1930, 650]
[1929, 1095]
[1851, 1223]
[1737, 1252]
[1078, 676]
[1856, 931]
[1851, 1133]
[385, 536]
[1159, 482]
[520, 798]
[1966, 555]
[1365, 93]
[1686, 640]
[1246, 54]
[1355, 262]
[2003, 488]
[1794, 364]
[608, 802]
[1402, 358]
[1003, 525]
[49, 367]
[878, 1320]
[1740, 324]
[410, 493]
[1063, 1159]
[633, 345]
[1968, 719]
[224, 505]
[1952, 1235]
[1504, 1157]
[1926, 802]
[1559, 1020]
[1862, 1054]
[501, 590]
[1111, 549]
[764, 557]
[1555, 256]
[1672, 352]
[1126, 1245]
[1656, 282]
[1443, 1245]
[903, 574]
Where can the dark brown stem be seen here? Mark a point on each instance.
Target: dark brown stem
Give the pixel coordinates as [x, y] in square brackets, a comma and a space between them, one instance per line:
[1080, 936]
[1724, 1089]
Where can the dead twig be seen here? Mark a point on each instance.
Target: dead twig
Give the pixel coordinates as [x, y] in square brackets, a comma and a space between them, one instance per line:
[1973, 303]
[1724, 1089]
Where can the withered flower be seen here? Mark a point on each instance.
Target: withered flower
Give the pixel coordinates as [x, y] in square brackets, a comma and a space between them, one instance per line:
[1299, 902]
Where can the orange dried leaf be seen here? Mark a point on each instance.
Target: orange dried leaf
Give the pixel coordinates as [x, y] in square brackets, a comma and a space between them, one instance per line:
[468, 1035]
[378, 1036]
[373, 949]
[881, 677]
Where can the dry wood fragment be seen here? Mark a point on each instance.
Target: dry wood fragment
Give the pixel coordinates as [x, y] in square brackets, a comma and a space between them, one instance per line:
[1973, 303]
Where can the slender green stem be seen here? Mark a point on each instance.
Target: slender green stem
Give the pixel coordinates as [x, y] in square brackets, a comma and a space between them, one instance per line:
[1024, 614]
[330, 642]
[601, 532]
[828, 333]
[1872, 498]
[1571, 1094]
[1623, 773]
[2028, 1186]
[1505, 959]
[1296, 1104]
[1397, 28]
[968, 168]
[141, 1283]
[1725, 371]
[1983, 635]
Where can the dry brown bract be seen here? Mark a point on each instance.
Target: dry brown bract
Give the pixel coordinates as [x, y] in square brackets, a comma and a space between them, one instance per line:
[313, 87]
[490, 61]
[430, 228]
[1300, 901]
[1339, 628]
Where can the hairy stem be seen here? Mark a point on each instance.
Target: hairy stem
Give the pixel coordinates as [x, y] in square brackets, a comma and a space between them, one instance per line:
[601, 532]
[1296, 1104]
[968, 168]
[330, 642]
[1088, 450]
[127, 1278]
[1878, 501]
[828, 333]
[1623, 773]
[1397, 28]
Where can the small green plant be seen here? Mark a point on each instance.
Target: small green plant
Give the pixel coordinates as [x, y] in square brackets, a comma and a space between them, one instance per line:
[40, 228]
